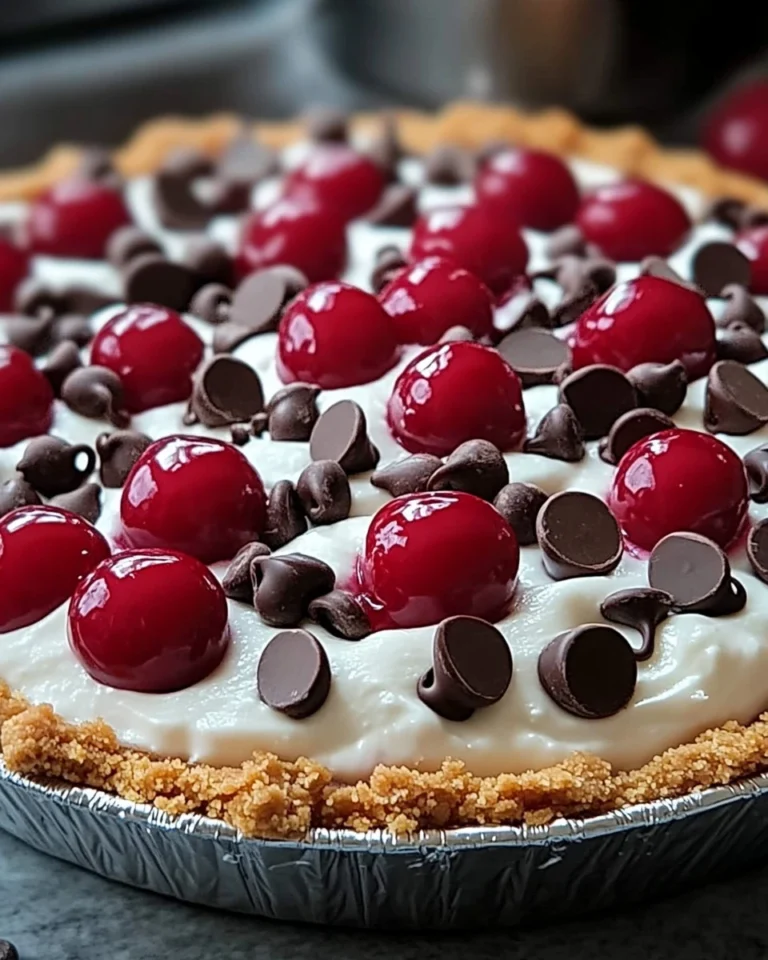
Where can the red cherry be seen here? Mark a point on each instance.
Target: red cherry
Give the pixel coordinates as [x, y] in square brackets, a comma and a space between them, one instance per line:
[410, 573]
[455, 392]
[193, 494]
[645, 320]
[736, 133]
[26, 398]
[476, 238]
[339, 178]
[14, 266]
[433, 295]
[335, 335]
[153, 351]
[44, 553]
[76, 218]
[753, 243]
[533, 187]
[679, 480]
[149, 620]
[297, 231]
[632, 220]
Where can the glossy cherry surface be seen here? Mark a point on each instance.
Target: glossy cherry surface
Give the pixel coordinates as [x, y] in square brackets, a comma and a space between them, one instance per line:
[428, 556]
[679, 480]
[44, 553]
[335, 335]
[149, 620]
[632, 220]
[535, 188]
[339, 178]
[14, 266]
[753, 243]
[474, 237]
[153, 351]
[736, 133]
[455, 392]
[26, 397]
[194, 494]
[645, 320]
[429, 297]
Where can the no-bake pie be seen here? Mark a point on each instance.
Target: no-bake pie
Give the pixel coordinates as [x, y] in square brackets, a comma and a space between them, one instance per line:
[404, 472]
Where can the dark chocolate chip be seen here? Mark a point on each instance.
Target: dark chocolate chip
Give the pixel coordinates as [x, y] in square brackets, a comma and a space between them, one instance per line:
[97, 393]
[533, 315]
[54, 466]
[410, 475]
[386, 150]
[654, 266]
[294, 675]
[641, 608]
[389, 261]
[741, 307]
[457, 335]
[285, 516]
[96, 164]
[727, 211]
[209, 262]
[8, 951]
[32, 297]
[756, 464]
[31, 334]
[694, 571]
[71, 326]
[225, 391]
[118, 452]
[228, 336]
[660, 385]
[240, 434]
[211, 303]
[324, 492]
[739, 342]
[77, 298]
[537, 356]
[129, 242]
[293, 412]
[598, 395]
[476, 467]
[259, 423]
[580, 276]
[151, 278]
[558, 436]
[629, 429]
[341, 434]
[16, 492]
[448, 166]
[258, 301]
[590, 672]
[341, 614]
[566, 241]
[573, 305]
[752, 216]
[471, 668]
[286, 586]
[327, 125]
[85, 502]
[519, 504]
[178, 206]
[578, 536]
[736, 401]
[757, 549]
[396, 207]
[239, 582]
[246, 160]
[717, 264]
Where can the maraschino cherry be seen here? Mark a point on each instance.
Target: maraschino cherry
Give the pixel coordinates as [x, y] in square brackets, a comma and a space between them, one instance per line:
[26, 398]
[753, 243]
[679, 480]
[194, 494]
[431, 296]
[338, 177]
[632, 220]
[429, 556]
[44, 553]
[149, 620]
[76, 218]
[645, 320]
[736, 133]
[14, 266]
[335, 335]
[533, 187]
[476, 238]
[455, 392]
[153, 351]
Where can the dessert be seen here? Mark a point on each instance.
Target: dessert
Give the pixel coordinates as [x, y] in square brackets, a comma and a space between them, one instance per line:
[300, 529]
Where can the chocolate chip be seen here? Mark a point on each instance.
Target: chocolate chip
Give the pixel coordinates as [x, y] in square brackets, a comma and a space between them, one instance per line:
[247, 160]
[457, 335]
[752, 216]
[341, 434]
[129, 242]
[85, 502]
[694, 571]
[118, 452]
[598, 395]
[471, 668]
[590, 672]
[396, 207]
[78, 298]
[565, 241]
[211, 303]
[410, 475]
[72, 327]
[448, 165]
[728, 211]
[717, 264]
[294, 675]
[558, 436]
[519, 504]
[386, 150]
[757, 549]
[8, 951]
[389, 261]
[573, 305]
[756, 464]
[736, 401]
[741, 307]
[293, 412]
[259, 423]
[533, 315]
[578, 536]
[30, 334]
[536, 356]
[177, 205]
[151, 278]
[209, 262]
[285, 516]
[240, 434]
[16, 492]
[324, 492]
[225, 391]
[581, 276]
[660, 385]
[327, 125]
[641, 608]
[286, 586]
[739, 342]
[476, 467]
[654, 266]
[95, 392]
[54, 466]
[96, 164]
[239, 582]
[341, 614]
[258, 302]
[629, 429]
[33, 297]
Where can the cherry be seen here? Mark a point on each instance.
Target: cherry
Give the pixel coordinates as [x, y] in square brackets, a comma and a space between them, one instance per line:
[26, 398]
[193, 494]
[753, 243]
[75, 218]
[631, 220]
[476, 238]
[533, 187]
[335, 335]
[297, 231]
[455, 392]
[339, 178]
[428, 556]
[679, 480]
[44, 553]
[153, 621]
[153, 351]
[14, 266]
[644, 320]
[736, 133]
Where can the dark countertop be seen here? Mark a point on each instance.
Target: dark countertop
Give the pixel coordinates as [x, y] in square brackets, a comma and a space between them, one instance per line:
[54, 911]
